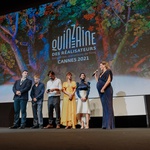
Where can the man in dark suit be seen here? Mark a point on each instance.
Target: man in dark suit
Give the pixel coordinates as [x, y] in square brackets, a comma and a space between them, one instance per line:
[21, 89]
[37, 94]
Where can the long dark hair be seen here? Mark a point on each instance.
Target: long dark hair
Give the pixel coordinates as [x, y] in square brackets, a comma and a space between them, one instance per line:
[81, 74]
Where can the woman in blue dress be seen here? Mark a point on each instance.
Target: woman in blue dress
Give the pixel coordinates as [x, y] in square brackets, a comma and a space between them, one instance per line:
[105, 91]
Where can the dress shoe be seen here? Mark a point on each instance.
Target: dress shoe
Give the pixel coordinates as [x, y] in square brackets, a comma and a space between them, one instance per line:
[22, 127]
[13, 127]
[48, 126]
[34, 127]
[58, 127]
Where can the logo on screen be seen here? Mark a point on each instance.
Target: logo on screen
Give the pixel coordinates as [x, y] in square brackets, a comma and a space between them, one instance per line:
[74, 37]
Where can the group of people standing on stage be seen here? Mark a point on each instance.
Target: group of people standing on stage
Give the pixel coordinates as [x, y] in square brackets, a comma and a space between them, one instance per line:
[72, 112]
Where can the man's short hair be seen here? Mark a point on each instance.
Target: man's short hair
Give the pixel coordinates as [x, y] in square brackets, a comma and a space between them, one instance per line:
[51, 72]
[24, 71]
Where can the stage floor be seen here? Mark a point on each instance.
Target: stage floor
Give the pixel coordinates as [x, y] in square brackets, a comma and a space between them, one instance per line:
[75, 139]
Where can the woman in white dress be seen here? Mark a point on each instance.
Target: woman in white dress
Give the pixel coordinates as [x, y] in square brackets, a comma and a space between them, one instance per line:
[83, 105]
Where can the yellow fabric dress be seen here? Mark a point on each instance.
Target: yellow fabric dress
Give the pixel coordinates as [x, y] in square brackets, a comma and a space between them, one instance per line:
[68, 115]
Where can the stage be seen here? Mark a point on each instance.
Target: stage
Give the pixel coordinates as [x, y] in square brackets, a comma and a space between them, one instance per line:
[75, 139]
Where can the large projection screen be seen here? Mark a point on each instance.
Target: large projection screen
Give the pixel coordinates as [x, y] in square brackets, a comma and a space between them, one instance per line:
[76, 36]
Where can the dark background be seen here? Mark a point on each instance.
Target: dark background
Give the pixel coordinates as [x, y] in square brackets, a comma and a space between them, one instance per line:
[7, 6]
[140, 121]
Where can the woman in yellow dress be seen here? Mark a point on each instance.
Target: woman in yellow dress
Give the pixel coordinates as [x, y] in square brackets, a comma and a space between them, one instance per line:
[68, 115]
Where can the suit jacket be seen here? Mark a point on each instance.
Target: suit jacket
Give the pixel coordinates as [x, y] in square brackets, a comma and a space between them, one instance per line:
[23, 88]
[40, 92]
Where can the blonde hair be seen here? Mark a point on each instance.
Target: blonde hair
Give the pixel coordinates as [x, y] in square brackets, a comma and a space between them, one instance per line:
[105, 64]
[37, 76]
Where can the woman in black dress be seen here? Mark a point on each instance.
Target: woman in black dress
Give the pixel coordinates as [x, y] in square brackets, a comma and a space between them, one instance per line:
[106, 95]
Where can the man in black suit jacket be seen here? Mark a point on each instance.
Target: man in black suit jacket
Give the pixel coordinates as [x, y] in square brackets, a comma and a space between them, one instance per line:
[21, 89]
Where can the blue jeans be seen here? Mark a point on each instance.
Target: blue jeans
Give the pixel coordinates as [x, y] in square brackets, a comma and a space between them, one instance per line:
[54, 102]
[37, 113]
[20, 105]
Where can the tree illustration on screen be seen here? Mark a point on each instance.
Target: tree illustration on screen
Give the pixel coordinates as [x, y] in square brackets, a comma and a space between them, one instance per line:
[114, 21]
[121, 25]
[21, 31]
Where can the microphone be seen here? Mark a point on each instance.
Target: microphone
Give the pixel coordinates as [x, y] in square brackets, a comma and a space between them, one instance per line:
[94, 72]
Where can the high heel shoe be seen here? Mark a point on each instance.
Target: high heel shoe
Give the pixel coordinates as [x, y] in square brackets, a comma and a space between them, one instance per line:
[82, 125]
[67, 127]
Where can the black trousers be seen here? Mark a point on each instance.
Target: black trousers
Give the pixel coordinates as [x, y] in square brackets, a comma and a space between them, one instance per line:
[54, 103]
